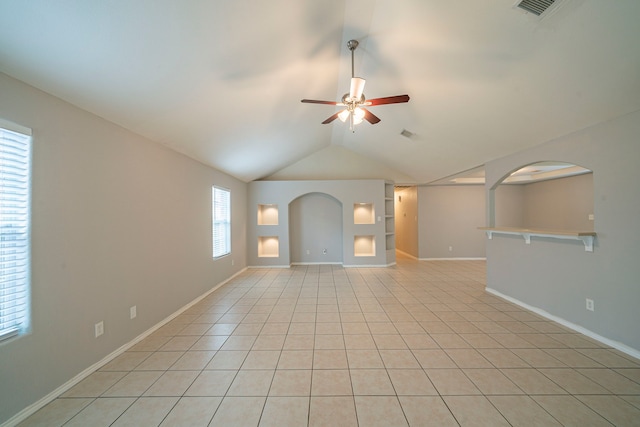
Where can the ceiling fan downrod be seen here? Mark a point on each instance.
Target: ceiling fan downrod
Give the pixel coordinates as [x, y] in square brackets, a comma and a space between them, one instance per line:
[355, 97]
[352, 45]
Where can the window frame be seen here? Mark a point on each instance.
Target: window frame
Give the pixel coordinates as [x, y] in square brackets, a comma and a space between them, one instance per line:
[16, 211]
[224, 223]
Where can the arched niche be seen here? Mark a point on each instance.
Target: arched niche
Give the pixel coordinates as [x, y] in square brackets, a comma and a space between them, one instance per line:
[315, 229]
[547, 195]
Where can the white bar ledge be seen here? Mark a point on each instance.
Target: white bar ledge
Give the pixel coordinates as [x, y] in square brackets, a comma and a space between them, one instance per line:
[586, 237]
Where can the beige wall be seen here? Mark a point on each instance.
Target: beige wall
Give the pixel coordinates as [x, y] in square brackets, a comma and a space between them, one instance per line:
[509, 205]
[406, 220]
[557, 276]
[563, 203]
[449, 217]
[557, 204]
[117, 221]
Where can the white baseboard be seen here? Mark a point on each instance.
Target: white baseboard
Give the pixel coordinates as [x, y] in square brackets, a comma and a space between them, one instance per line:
[606, 341]
[325, 263]
[269, 266]
[368, 265]
[34, 407]
[316, 263]
[453, 259]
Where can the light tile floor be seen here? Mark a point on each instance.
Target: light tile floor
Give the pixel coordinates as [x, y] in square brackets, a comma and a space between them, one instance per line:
[418, 344]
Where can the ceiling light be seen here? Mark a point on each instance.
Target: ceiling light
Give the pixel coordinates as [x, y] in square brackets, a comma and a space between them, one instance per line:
[355, 101]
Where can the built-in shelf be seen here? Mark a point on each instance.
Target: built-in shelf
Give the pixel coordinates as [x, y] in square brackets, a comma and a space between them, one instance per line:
[364, 245]
[268, 247]
[388, 207]
[389, 225]
[389, 222]
[587, 237]
[389, 190]
[390, 241]
[268, 214]
[363, 213]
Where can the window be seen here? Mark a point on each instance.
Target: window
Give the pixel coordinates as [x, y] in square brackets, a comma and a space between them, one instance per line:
[15, 159]
[221, 222]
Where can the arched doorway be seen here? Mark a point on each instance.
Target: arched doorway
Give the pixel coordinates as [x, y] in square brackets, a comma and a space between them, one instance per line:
[315, 229]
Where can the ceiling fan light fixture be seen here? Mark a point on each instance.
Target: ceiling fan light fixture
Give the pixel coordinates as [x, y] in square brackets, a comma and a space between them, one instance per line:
[355, 99]
[357, 88]
[358, 114]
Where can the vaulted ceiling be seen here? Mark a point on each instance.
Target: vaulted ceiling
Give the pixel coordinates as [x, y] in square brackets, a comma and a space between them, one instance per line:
[221, 81]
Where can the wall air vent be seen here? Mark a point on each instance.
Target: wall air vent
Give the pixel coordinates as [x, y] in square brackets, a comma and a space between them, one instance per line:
[537, 7]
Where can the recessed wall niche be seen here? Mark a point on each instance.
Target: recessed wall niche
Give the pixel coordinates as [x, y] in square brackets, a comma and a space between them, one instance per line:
[268, 247]
[363, 213]
[364, 245]
[268, 214]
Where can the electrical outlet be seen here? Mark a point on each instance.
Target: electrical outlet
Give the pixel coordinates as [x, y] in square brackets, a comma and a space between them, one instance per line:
[308, 252]
[233, 262]
[450, 248]
[590, 305]
[133, 312]
[591, 217]
[324, 251]
[99, 328]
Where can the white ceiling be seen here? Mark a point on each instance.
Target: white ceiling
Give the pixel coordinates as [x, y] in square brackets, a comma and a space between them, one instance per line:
[540, 171]
[221, 81]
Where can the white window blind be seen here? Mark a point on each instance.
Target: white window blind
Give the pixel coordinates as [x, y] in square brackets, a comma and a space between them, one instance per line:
[15, 159]
[221, 222]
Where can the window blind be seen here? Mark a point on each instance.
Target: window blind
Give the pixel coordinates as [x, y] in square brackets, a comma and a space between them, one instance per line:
[15, 159]
[221, 222]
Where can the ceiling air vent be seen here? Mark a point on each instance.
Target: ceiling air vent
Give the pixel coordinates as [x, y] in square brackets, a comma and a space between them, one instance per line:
[537, 7]
[407, 134]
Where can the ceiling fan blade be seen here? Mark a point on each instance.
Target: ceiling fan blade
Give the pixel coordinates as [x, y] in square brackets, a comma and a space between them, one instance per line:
[330, 119]
[314, 101]
[370, 117]
[388, 100]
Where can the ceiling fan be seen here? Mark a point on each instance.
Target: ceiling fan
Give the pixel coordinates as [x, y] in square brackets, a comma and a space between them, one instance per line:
[355, 101]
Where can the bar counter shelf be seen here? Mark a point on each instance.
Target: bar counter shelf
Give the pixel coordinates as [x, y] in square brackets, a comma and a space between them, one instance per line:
[587, 237]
